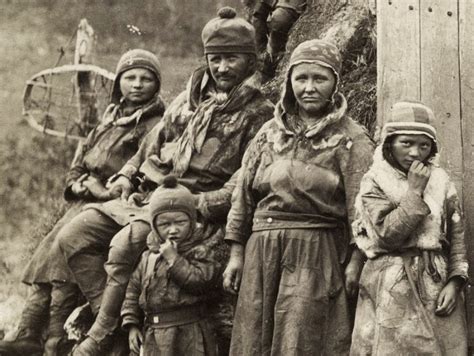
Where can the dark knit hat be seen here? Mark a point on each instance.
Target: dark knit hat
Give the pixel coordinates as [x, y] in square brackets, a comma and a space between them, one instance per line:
[135, 58]
[315, 51]
[410, 118]
[228, 34]
[172, 197]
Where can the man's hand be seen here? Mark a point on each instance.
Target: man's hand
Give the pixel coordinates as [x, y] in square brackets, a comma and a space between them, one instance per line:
[96, 188]
[418, 176]
[78, 188]
[121, 187]
[135, 339]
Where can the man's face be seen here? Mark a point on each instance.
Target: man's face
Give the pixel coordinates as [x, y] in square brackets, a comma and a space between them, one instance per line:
[229, 69]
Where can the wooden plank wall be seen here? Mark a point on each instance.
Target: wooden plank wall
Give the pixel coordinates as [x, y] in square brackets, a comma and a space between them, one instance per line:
[466, 64]
[398, 40]
[426, 52]
[440, 78]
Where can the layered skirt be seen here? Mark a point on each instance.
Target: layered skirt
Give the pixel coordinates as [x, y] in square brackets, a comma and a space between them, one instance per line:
[292, 299]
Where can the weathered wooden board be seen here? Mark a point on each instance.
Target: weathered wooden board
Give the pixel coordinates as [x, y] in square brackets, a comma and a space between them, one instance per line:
[398, 53]
[434, 63]
[466, 70]
[440, 78]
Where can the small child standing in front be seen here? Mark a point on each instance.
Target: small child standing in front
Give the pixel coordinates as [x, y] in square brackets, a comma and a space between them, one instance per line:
[165, 305]
[410, 227]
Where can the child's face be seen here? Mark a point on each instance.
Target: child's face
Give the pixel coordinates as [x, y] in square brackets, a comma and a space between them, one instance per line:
[174, 225]
[409, 148]
[138, 85]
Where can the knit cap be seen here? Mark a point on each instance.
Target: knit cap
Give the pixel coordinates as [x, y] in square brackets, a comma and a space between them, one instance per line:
[410, 118]
[314, 51]
[172, 197]
[135, 58]
[228, 34]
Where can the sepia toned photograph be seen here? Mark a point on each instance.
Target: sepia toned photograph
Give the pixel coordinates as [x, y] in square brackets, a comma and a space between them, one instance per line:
[236, 177]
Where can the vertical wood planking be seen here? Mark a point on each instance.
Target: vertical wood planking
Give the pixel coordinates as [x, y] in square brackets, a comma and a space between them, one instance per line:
[398, 53]
[440, 78]
[466, 70]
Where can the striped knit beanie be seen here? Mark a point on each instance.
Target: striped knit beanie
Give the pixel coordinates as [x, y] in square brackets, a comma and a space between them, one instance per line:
[228, 34]
[410, 118]
[135, 58]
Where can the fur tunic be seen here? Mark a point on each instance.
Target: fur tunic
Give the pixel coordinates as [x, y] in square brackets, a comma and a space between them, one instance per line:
[414, 245]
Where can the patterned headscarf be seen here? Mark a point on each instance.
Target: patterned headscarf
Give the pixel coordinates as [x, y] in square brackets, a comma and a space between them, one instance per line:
[313, 51]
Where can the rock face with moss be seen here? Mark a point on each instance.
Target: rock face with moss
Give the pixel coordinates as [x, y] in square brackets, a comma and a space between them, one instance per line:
[350, 24]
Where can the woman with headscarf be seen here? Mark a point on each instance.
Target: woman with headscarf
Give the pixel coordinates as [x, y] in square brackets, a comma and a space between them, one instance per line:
[290, 212]
[135, 108]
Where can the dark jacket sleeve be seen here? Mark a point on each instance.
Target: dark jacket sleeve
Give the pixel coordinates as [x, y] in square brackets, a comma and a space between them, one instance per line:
[197, 272]
[131, 312]
[239, 220]
[355, 165]
[215, 205]
[78, 167]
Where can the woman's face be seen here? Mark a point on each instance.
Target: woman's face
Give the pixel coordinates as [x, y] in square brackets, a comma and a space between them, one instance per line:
[173, 225]
[229, 69]
[313, 86]
[138, 85]
[409, 148]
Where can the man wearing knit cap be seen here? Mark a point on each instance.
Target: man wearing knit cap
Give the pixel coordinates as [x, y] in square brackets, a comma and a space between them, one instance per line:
[201, 140]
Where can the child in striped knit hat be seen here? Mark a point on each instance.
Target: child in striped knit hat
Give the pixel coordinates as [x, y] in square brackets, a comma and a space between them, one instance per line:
[409, 224]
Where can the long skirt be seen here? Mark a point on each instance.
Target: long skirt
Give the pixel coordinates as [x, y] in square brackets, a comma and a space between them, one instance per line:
[292, 299]
[48, 263]
[395, 311]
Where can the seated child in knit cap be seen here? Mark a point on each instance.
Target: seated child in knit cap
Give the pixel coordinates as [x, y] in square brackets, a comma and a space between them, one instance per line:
[409, 224]
[164, 309]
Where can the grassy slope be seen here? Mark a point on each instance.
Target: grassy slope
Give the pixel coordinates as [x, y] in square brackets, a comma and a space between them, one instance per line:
[32, 166]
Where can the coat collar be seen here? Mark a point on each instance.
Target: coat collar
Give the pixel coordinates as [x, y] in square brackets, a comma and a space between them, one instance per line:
[287, 122]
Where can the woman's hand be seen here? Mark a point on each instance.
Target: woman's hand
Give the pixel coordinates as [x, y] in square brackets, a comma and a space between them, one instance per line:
[418, 176]
[135, 339]
[447, 298]
[121, 187]
[233, 272]
[353, 271]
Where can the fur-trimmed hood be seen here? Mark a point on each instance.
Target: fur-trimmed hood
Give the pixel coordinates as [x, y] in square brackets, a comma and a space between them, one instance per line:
[390, 184]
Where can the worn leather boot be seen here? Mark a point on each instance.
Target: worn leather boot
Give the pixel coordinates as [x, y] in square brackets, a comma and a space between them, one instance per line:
[27, 342]
[88, 347]
[58, 346]
[99, 337]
